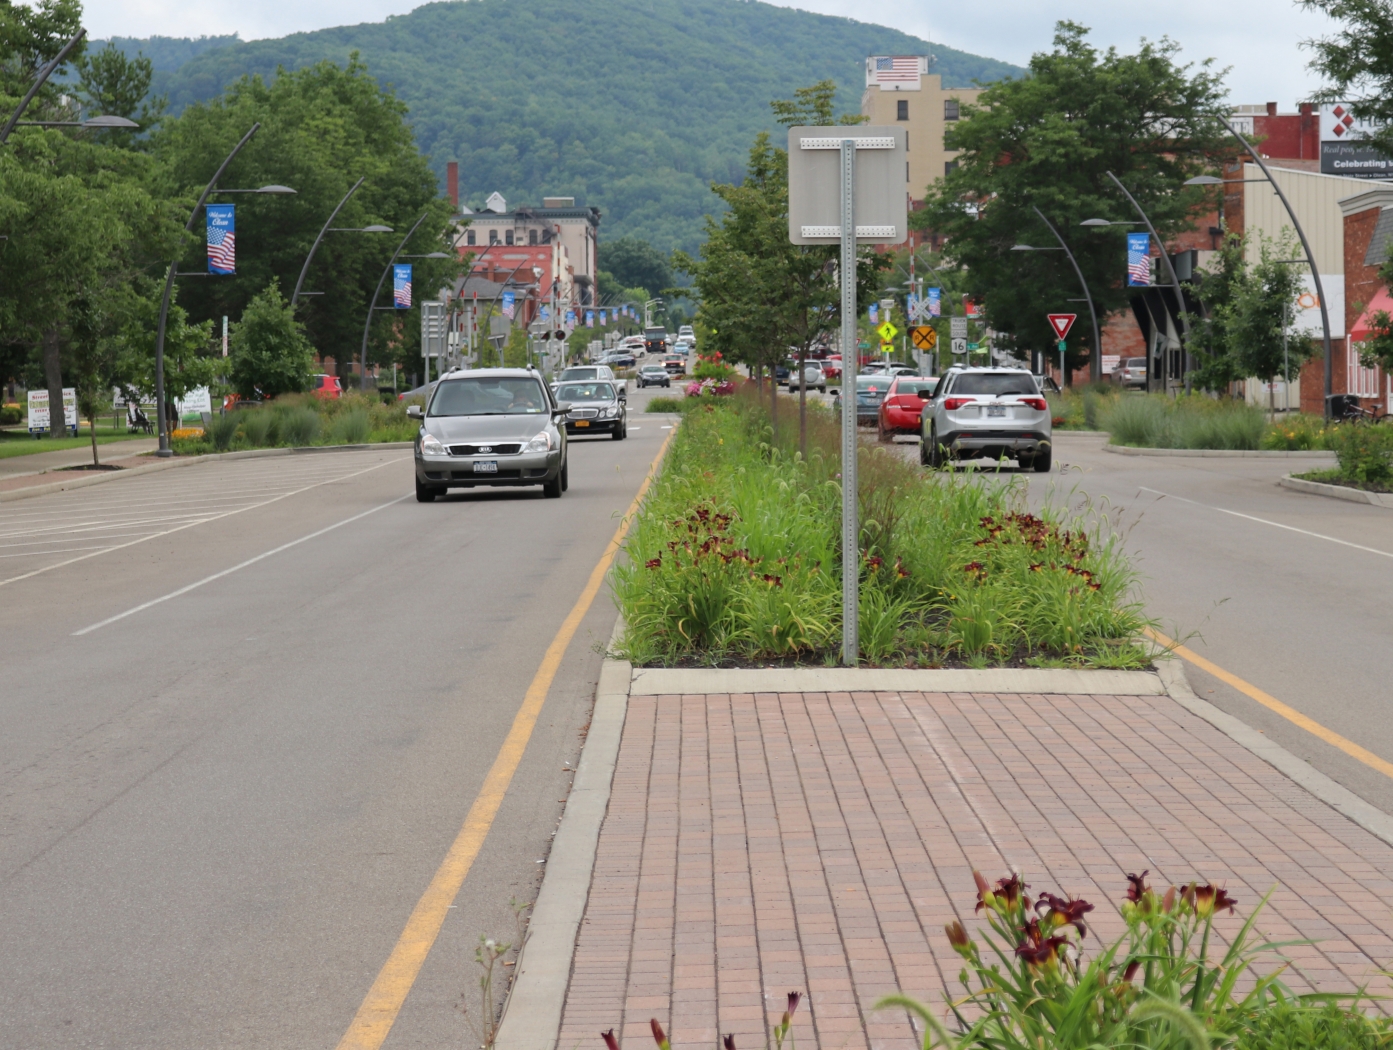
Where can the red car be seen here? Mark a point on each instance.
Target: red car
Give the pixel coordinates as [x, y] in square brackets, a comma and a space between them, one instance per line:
[902, 408]
[326, 387]
[831, 366]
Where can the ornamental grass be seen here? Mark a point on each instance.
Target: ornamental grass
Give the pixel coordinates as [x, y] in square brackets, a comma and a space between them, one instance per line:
[736, 557]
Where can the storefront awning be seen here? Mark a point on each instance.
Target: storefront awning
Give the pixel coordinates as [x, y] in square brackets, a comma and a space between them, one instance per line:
[1364, 327]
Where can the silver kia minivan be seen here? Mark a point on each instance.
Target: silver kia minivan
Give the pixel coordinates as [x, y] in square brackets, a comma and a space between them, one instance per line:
[490, 426]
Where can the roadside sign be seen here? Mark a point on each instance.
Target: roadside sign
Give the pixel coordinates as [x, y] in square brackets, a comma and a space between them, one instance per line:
[959, 346]
[887, 332]
[815, 184]
[1061, 323]
[1061, 346]
[38, 409]
[959, 327]
[973, 347]
[887, 348]
[923, 337]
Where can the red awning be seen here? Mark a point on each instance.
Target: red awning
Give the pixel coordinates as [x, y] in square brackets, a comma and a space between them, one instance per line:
[1364, 327]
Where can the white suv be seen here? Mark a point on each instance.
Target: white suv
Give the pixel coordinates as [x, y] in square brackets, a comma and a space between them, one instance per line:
[990, 413]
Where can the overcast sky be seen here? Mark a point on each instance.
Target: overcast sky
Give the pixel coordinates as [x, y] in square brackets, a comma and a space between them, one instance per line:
[1259, 39]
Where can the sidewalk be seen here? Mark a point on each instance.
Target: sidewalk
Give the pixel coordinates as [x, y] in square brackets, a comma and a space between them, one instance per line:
[761, 843]
[120, 452]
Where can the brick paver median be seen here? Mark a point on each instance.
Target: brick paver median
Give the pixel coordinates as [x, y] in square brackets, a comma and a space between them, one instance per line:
[760, 844]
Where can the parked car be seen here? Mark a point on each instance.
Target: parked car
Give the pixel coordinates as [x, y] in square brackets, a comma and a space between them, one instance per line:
[620, 359]
[870, 391]
[595, 407]
[687, 332]
[676, 364]
[326, 387]
[991, 413]
[653, 375]
[902, 409]
[812, 378]
[633, 344]
[490, 426]
[832, 367]
[1130, 372]
[581, 372]
[873, 368]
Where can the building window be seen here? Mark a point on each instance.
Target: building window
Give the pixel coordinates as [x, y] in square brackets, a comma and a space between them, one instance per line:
[531, 236]
[469, 237]
[950, 109]
[902, 109]
[508, 237]
[493, 236]
[949, 167]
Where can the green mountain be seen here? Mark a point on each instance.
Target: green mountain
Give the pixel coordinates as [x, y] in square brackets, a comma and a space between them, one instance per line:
[633, 106]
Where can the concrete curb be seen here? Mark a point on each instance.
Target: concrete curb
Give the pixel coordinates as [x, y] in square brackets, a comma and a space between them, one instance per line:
[79, 482]
[651, 681]
[1344, 492]
[1128, 450]
[532, 1015]
[1342, 800]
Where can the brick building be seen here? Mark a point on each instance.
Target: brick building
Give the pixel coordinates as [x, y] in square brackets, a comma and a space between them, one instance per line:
[1368, 231]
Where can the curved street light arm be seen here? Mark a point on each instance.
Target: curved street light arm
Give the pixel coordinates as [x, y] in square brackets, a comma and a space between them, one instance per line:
[169, 290]
[1095, 366]
[367, 324]
[1310, 258]
[39, 81]
[295, 296]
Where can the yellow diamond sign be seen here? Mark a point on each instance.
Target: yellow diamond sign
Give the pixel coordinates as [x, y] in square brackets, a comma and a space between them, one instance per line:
[887, 332]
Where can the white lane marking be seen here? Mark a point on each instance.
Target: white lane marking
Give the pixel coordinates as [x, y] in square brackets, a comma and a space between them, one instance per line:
[665, 428]
[636, 428]
[242, 565]
[1274, 524]
[189, 525]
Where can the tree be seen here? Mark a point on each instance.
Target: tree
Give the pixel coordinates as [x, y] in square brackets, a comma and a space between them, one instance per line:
[761, 294]
[1047, 141]
[111, 83]
[633, 263]
[1265, 340]
[269, 352]
[1358, 62]
[1211, 339]
[30, 37]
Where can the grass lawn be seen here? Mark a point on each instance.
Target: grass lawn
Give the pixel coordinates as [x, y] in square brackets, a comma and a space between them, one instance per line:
[20, 443]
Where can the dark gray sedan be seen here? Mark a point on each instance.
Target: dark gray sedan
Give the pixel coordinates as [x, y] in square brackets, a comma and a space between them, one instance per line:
[596, 407]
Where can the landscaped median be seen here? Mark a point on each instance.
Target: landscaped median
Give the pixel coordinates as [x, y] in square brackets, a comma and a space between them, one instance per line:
[735, 558]
[300, 421]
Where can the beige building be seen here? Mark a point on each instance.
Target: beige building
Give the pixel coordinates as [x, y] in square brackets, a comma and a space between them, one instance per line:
[901, 90]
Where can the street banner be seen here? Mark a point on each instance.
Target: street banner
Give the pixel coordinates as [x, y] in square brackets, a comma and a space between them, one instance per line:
[935, 302]
[873, 313]
[570, 321]
[544, 313]
[222, 238]
[38, 409]
[401, 286]
[589, 318]
[972, 309]
[510, 304]
[1138, 259]
[912, 306]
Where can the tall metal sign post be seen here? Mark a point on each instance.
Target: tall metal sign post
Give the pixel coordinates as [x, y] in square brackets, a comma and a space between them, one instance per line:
[848, 185]
[433, 336]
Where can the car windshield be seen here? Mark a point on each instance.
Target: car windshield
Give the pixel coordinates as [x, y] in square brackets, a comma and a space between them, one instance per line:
[580, 373]
[489, 396]
[923, 389]
[995, 384]
[1136, 362]
[585, 392]
[653, 368]
[864, 383]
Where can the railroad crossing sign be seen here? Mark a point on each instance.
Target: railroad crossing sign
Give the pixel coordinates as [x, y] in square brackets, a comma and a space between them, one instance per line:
[924, 337]
[887, 332]
[1061, 323]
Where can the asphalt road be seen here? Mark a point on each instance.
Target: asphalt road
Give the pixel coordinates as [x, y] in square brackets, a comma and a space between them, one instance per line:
[219, 810]
[1290, 592]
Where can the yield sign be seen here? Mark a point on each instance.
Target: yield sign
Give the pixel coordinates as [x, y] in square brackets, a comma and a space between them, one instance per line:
[1061, 323]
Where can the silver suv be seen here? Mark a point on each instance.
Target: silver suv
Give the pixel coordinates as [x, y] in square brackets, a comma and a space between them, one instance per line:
[987, 412]
[490, 426]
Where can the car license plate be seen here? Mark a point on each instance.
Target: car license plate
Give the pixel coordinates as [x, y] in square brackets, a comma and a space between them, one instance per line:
[582, 422]
[996, 411]
[486, 466]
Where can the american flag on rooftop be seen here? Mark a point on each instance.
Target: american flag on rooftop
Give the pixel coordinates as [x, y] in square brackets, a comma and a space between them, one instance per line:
[897, 69]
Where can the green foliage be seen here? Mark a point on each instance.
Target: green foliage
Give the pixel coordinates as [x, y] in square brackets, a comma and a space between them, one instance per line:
[112, 83]
[1167, 983]
[298, 421]
[222, 430]
[31, 35]
[1047, 140]
[736, 553]
[351, 427]
[674, 92]
[635, 264]
[1364, 453]
[1358, 63]
[270, 354]
[1157, 421]
[1296, 432]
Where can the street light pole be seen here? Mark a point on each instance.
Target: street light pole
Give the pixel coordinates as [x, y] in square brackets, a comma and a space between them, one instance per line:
[39, 81]
[1095, 367]
[295, 296]
[164, 449]
[367, 324]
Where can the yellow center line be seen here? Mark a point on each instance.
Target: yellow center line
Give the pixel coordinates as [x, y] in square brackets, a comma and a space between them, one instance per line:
[384, 1000]
[1270, 702]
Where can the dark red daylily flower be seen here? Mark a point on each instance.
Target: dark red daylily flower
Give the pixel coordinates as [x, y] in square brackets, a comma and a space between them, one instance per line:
[794, 998]
[957, 937]
[900, 570]
[658, 1035]
[1036, 566]
[1209, 899]
[1063, 911]
[728, 1042]
[1136, 886]
[653, 563]
[1009, 890]
[610, 1042]
[874, 562]
[1037, 949]
[1130, 973]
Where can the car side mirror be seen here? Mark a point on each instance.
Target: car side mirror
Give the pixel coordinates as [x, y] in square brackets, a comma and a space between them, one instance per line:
[623, 395]
[415, 412]
[563, 408]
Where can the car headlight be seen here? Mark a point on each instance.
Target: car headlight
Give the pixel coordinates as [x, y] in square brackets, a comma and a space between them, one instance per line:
[606, 412]
[433, 446]
[541, 442]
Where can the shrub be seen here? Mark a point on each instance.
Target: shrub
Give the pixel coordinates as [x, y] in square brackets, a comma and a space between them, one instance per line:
[1297, 432]
[666, 404]
[11, 415]
[1364, 452]
[351, 427]
[258, 426]
[298, 425]
[1189, 421]
[222, 430]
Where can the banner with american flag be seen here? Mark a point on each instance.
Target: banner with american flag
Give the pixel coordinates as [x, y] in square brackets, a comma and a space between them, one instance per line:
[510, 304]
[896, 71]
[222, 238]
[1138, 259]
[401, 286]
